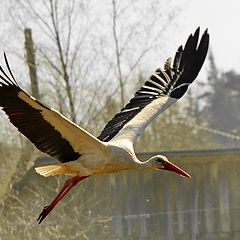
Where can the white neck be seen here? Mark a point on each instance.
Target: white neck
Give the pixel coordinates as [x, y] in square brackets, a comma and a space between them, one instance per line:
[146, 165]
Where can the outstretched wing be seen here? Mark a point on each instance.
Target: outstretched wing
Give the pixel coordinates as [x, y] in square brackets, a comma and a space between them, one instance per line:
[50, 131]
[161, 90]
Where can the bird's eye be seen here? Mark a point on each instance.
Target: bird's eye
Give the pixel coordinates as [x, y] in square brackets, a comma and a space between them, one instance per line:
[159, 160]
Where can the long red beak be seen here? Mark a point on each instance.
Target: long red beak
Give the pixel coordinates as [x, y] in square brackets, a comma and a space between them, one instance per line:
[171, 167]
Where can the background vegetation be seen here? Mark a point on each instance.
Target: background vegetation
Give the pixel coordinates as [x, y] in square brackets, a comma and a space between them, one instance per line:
[87, 66]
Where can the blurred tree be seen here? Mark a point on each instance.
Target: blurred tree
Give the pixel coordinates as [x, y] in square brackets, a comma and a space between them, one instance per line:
[125, 45]
[222, 101]
[175, 131]
[30, 55]
[117, 53]
[75, 51]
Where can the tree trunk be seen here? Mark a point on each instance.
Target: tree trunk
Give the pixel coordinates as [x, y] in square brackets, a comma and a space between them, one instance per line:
[31, 62]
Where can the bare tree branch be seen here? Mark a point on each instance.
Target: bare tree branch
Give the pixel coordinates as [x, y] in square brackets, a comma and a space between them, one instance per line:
[117, 53]
[54, 18]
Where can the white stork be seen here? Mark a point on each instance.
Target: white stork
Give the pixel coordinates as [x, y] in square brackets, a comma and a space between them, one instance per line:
[80, 153]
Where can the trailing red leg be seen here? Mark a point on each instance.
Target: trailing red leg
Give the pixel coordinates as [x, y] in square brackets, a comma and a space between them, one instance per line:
[66, 188]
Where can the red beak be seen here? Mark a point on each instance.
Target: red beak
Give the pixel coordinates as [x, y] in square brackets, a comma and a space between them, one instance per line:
[171, 167]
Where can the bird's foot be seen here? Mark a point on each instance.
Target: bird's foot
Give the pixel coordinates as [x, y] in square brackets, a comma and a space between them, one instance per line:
[46, 210]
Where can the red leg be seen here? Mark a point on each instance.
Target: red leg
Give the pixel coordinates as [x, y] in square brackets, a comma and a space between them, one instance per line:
[66, 188]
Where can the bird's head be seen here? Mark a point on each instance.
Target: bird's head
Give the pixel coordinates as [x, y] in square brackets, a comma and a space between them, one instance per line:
[160, 162]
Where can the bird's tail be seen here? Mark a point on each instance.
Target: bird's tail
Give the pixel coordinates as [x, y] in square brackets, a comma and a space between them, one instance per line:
[51, 170]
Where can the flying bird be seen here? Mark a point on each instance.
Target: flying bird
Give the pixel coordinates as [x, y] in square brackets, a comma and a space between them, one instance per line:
[82, 155]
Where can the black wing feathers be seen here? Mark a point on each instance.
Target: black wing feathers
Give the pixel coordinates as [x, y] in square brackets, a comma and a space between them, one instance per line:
[158, 86]
[173, 81]
[30, 122]
[191, 62]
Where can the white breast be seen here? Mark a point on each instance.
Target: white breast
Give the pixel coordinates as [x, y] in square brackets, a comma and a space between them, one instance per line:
[118, 156]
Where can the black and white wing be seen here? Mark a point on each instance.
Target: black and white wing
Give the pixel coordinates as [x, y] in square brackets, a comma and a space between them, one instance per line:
[161, 90]
[47, 129]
